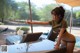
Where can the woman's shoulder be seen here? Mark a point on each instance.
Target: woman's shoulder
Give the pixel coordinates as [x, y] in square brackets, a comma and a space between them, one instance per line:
[64, 23]
[51, 22]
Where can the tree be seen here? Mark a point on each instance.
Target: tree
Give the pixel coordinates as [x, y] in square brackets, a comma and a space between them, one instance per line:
[7, 8]
[45, 12]
[23, 11]
[78, 14]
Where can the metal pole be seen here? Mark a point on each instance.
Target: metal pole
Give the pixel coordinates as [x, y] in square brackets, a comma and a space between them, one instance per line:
[30, 15]
[71, 19]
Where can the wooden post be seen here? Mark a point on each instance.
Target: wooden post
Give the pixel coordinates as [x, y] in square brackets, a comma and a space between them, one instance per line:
[30, 15]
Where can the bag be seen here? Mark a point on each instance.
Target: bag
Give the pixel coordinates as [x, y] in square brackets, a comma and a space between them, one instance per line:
[52, 35]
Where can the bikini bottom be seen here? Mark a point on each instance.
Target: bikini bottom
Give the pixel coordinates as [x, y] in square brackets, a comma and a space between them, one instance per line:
[69, 41]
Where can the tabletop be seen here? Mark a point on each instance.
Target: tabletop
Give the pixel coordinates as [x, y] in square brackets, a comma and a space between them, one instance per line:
[43, 46]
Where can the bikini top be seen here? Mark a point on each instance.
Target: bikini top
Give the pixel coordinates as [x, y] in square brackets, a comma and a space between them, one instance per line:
[57, 26]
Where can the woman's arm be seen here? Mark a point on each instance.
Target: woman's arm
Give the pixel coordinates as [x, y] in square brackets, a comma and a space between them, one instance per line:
[59, 38]
[36, 22]
[63, 28]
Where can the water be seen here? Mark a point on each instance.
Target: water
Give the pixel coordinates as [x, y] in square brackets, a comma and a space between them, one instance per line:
[77, 42]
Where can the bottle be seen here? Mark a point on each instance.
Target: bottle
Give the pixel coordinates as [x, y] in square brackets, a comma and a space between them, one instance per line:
[20, 32]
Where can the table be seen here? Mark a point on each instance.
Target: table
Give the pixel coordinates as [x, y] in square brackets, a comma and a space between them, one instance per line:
[37, 47]
[42, 46]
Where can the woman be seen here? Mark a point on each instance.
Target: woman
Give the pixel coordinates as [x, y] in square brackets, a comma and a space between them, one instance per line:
[59, 25]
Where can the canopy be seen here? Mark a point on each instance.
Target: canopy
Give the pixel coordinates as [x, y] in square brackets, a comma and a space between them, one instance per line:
[72, 3]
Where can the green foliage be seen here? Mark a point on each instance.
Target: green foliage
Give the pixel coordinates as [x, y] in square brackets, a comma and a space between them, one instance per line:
[78, 14]
[1, 23]
[22, 28]
[7, 8]
[20, 10]
[23, 11]
[45, 12]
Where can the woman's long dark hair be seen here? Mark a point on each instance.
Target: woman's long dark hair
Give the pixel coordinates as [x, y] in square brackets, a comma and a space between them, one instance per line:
[59, 11]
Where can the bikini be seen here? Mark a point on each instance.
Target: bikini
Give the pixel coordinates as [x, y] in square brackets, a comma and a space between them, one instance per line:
[59, 25]
[69, 41]
[63, 33]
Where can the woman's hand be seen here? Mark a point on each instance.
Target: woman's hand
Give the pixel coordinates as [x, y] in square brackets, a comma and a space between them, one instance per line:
[28, 21]
[56, 46]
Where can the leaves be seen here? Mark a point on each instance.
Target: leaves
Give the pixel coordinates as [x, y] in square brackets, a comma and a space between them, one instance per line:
[7, 8]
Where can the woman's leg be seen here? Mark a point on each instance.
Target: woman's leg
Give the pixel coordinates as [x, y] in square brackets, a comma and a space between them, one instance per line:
[63, 44]
[70, 47]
